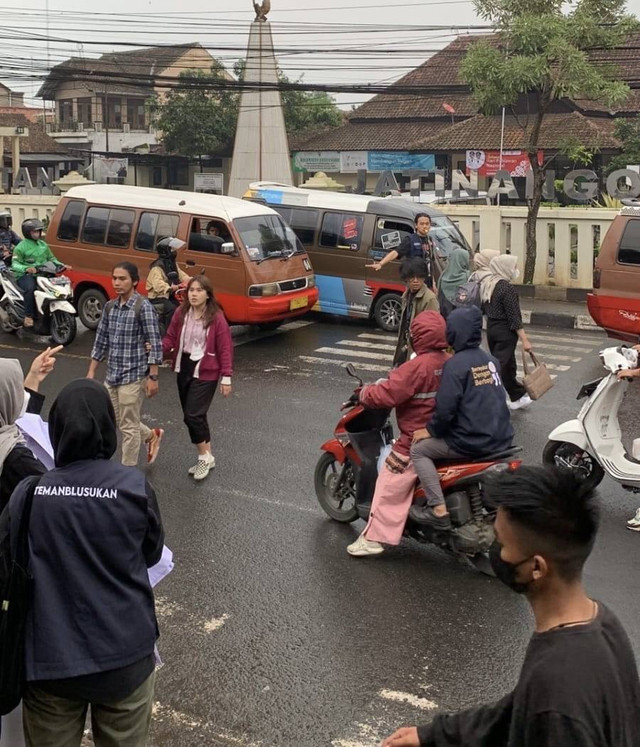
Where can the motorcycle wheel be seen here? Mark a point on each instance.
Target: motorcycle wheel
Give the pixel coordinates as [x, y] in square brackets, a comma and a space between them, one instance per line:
[8, 328]
[569, 456]
[63, 327]
[341, 507]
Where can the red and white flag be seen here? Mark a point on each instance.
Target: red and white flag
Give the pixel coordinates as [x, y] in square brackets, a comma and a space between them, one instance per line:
[448, 108]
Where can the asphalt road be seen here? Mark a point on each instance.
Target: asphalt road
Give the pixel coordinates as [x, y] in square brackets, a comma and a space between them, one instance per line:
[270, 633]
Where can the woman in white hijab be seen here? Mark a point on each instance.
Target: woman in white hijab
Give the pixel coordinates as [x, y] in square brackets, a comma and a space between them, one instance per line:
[504, 324]
[481, 262]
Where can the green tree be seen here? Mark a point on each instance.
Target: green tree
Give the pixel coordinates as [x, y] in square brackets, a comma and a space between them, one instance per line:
[628, 132]
[199, 115]
[543, 53]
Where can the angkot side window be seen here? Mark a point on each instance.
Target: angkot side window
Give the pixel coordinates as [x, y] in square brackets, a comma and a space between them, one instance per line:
[153, 227]
[208, 235]
[390, 234]
[120, 227]
[69, 228]
[341, 231]
[95, 225]
[629, 249]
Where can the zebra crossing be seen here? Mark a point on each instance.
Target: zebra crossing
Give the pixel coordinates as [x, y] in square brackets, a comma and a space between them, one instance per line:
[372, 351]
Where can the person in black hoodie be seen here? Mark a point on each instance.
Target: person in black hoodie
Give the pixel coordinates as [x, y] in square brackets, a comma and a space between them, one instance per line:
[578, 686]
[471, 418]
[91, 629]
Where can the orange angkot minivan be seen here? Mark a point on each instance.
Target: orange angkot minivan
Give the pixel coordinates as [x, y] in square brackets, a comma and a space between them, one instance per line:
[259, 269]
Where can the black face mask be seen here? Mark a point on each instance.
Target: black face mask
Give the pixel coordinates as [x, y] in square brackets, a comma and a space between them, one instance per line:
[506, 572]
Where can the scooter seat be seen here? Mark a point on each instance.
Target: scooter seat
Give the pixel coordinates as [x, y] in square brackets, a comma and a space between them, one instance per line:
[496, 456]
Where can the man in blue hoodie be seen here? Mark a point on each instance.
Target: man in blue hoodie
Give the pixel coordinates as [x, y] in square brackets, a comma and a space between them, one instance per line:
[471, 418]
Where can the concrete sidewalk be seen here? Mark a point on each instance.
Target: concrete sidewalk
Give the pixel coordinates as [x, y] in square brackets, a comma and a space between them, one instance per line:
[558, 314]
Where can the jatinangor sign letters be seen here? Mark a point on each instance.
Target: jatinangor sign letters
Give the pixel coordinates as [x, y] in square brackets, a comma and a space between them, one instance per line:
[579, 185]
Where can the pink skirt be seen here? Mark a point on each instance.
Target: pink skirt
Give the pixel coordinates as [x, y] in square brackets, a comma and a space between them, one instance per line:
[390, 507]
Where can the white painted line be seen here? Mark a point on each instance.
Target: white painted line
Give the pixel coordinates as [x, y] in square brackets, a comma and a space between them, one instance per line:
[412, 700]
[570, 341]
[566, 347]
[215, 623]
[568, 335]
[556, 357]
[188, 722]
[355, 354]
[584, 321]
[387, 338]
[296, 325]
[363, 344]
[334, 362]
[270, 501]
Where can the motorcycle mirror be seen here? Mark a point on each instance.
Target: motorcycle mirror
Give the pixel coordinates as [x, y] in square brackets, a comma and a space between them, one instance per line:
[349, 368]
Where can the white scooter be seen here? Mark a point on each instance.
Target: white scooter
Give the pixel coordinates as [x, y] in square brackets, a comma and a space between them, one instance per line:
[591, 445]
[56, 315]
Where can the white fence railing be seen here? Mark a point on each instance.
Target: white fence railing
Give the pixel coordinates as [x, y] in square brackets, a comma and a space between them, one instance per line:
[22, 207]
[567, 238]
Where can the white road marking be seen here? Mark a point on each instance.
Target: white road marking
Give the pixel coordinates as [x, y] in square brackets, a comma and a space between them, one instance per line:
[190, 722]
[356, 354]
[412, 700]
[215, 623]
[271, 501]
[551, 346]
[386, 338]
[364, 344]
[334, 362]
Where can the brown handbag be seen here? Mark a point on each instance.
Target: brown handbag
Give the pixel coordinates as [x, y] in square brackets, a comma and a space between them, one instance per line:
[536, 381]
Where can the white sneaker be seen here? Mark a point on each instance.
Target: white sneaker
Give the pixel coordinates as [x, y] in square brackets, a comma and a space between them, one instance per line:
[202, 467]
[363, 547]
[634, 524]
[521, 403]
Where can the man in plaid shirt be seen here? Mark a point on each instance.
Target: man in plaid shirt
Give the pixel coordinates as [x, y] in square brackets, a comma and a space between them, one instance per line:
[128, 326]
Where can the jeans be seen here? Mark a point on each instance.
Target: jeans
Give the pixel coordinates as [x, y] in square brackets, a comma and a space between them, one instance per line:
[422, 455]
[127, 402]
[28, 286]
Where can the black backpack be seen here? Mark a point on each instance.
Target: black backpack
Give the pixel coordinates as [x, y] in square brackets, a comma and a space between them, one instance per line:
[468, 294]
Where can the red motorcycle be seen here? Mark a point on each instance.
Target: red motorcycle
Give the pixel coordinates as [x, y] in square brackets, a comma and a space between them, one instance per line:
[346, 474]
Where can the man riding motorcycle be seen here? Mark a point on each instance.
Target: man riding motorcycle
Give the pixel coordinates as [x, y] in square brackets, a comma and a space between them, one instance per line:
[411, 389]
[9, 239]
[31, 253]
[164, 279]
[471, 417]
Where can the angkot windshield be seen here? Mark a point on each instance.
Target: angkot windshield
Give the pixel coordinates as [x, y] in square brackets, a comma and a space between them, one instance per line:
[446, 236]
[266, 237]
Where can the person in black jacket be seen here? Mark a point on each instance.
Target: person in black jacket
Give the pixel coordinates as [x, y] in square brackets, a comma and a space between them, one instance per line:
[91, 628]
[578, 685]
[471, 418]
[16, 397]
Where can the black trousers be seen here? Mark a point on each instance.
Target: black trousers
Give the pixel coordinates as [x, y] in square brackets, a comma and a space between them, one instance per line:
[165, 308]
[502, 344]
[195, 398]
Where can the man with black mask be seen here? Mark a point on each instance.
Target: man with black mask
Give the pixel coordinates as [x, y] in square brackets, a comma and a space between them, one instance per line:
[578, 685]
[91, 628]
[164, 279]
[9, 239]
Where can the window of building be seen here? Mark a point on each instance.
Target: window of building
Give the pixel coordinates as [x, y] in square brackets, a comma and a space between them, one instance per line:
[178, 174]
[302, 220]
[629, 249]
[112, 112]
[154, 226]
[208, 235]
[136, 114]
[157, 176]
[95, 225]
[69, 228]
[84, 112]
[120, 227]
[65, 112]
[341, 231]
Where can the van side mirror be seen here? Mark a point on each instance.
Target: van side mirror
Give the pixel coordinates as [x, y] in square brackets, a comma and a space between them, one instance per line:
[228, 248]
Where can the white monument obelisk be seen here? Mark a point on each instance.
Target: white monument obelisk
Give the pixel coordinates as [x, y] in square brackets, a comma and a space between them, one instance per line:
[261, 150]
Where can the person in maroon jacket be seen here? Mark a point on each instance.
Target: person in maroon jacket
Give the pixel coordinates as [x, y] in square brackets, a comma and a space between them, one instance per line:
[198, 342]
[411, 389]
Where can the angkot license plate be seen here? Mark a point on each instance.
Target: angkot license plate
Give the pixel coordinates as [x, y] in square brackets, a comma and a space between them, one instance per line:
[299, 303]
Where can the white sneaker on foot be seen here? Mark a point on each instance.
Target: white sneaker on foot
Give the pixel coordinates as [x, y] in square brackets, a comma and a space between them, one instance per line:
[521, 403]
[202, 467]
[363, 547]
[634, 524]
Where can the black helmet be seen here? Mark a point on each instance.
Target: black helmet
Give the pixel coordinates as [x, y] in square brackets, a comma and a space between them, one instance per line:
[31, 225]
[168, 246]
[5, 219]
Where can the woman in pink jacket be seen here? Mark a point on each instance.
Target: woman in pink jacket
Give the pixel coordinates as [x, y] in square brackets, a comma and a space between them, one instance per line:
[198, 343]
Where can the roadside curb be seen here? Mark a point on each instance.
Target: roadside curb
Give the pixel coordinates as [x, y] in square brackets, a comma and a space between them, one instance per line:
[560, 320]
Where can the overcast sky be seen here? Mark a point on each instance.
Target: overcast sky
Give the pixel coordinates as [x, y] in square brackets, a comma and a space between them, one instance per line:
[323, 26]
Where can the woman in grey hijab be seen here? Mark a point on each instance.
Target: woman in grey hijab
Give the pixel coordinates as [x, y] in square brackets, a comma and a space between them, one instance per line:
[16, 460]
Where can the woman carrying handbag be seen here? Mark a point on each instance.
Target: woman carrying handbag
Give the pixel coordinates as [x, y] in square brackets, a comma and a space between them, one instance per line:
[198, 343]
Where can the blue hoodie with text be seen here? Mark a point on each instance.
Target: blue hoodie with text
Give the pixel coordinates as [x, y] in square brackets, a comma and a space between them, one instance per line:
[471, 412]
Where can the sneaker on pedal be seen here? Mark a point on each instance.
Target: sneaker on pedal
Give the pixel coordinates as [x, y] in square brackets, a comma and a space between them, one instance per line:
[634, 524]
[521, 403]
[424, 515]
[363, 548]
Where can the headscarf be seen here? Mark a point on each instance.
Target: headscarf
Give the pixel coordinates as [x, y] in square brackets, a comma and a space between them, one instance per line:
[11, 401]
[456, 273]
[503, 267]
[481, 262]
[82, 423]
